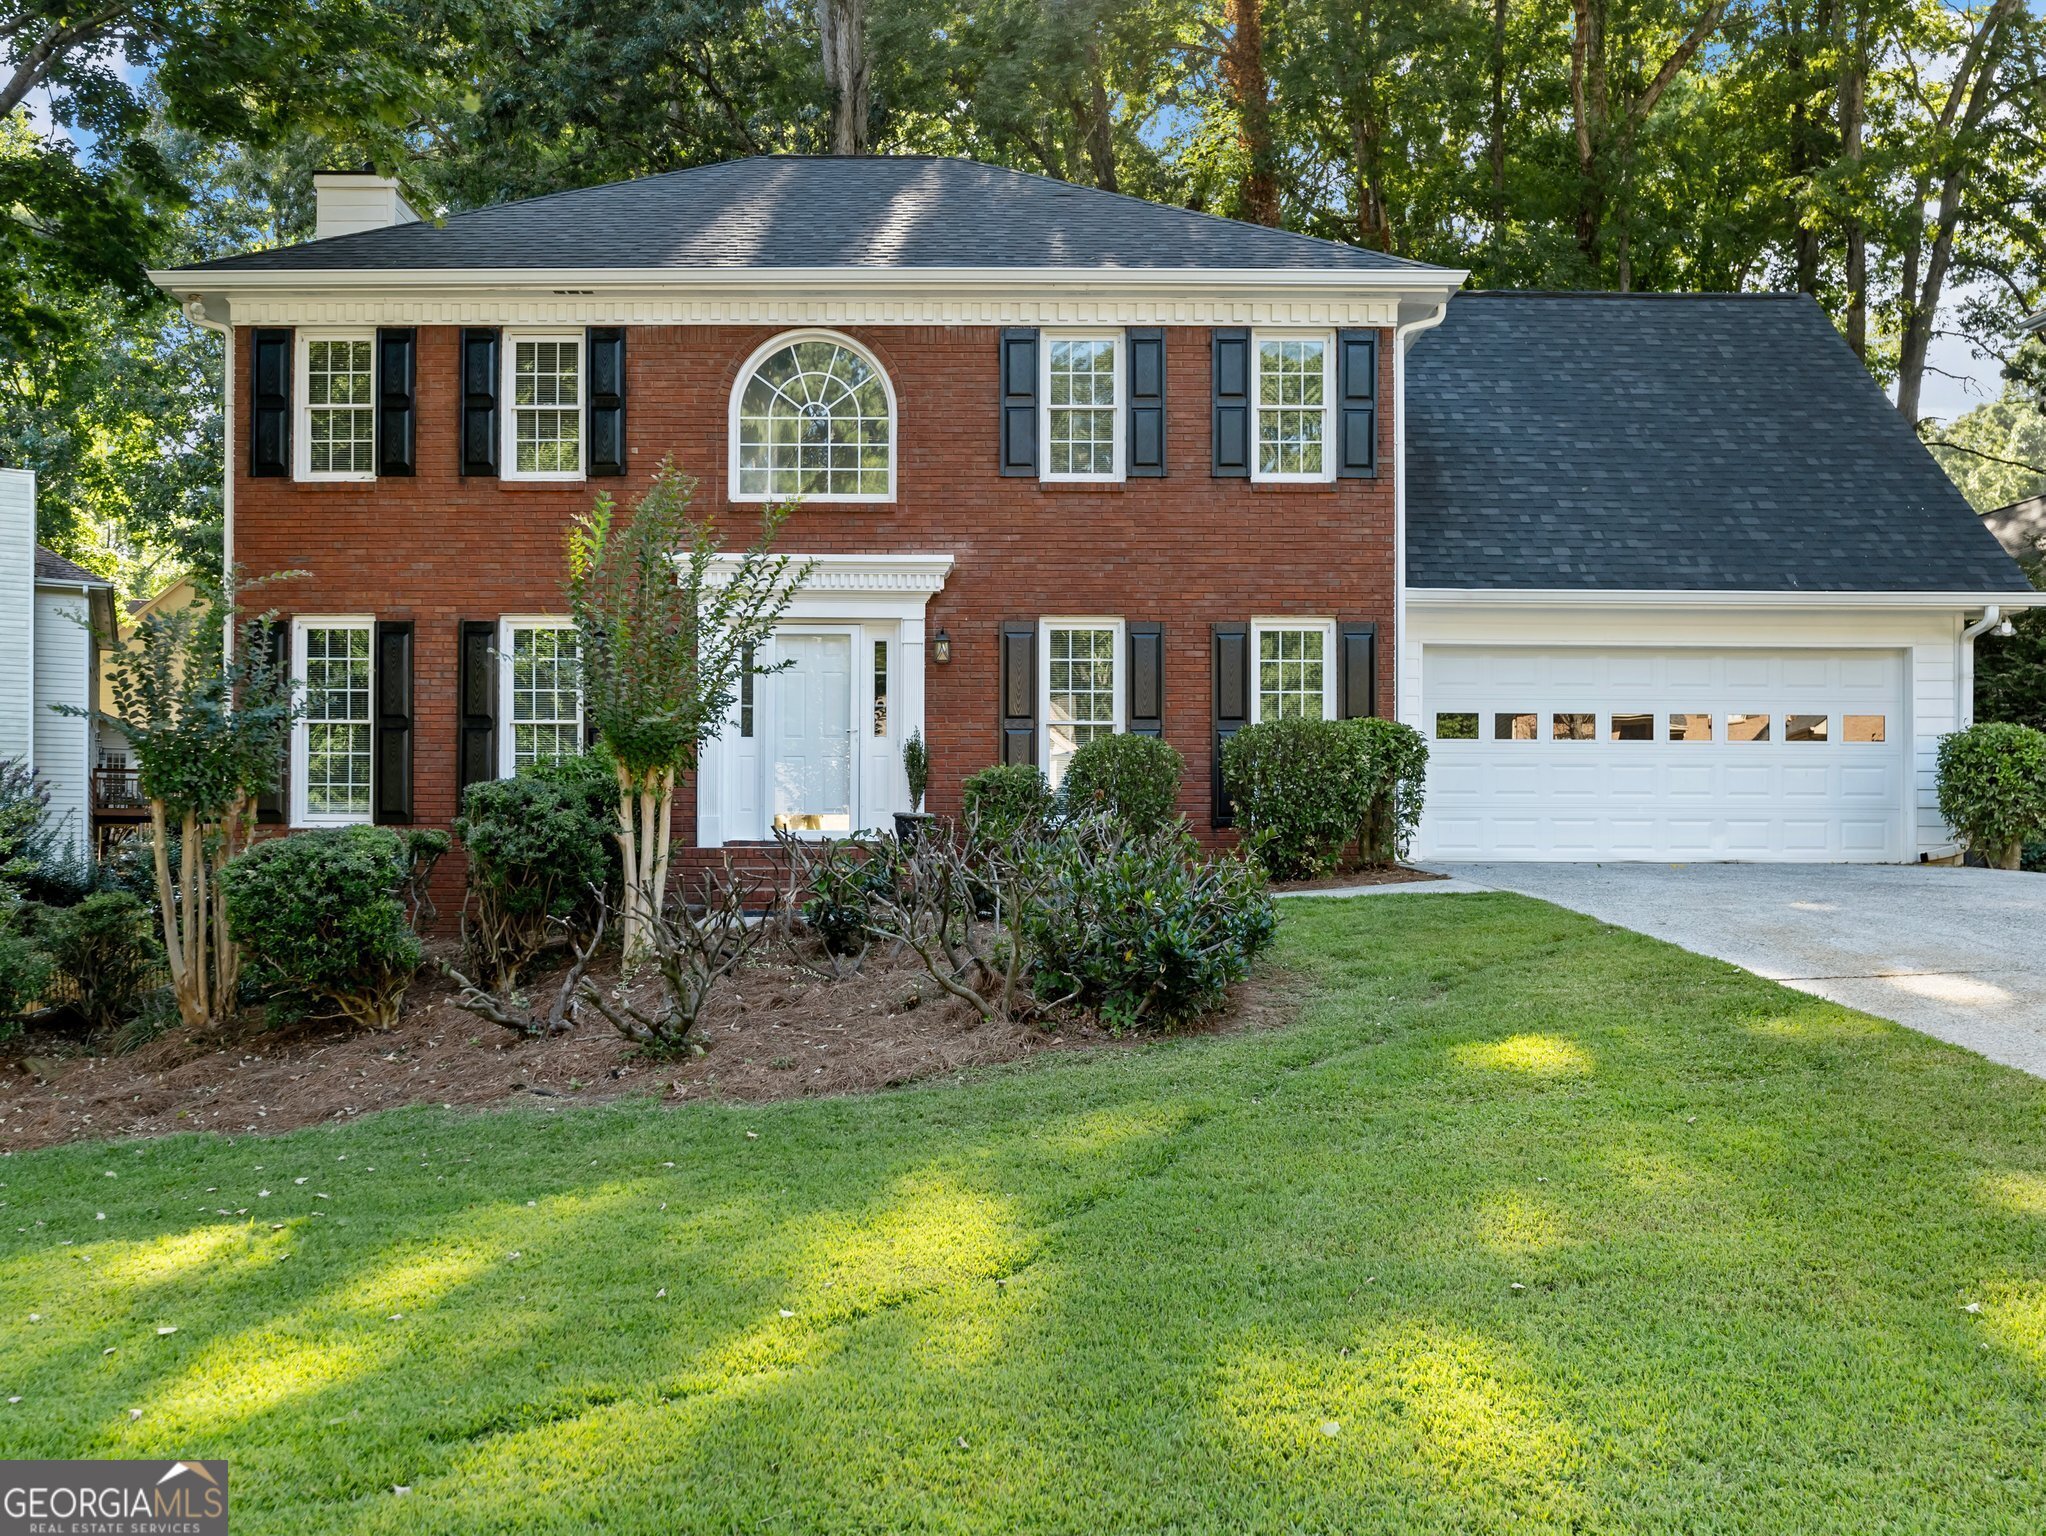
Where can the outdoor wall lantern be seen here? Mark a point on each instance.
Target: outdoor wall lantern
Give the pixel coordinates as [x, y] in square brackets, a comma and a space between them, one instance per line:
[941, 648]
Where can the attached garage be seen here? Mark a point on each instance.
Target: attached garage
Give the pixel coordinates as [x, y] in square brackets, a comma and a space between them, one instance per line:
[1588, 752]
[1679, 584]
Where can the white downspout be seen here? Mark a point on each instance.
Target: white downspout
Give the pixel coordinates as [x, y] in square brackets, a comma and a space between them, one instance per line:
[1964, 671]
[1403, 338]
[195, 311]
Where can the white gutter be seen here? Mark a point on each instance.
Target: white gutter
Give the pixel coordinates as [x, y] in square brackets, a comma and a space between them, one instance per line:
[1403, 338]
[1678, 597]
[1964, 665]
[841, 280]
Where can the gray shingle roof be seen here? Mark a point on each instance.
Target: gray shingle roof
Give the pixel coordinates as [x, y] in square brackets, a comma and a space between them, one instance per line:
[51, 567]
[820, 211]
[1690, 442]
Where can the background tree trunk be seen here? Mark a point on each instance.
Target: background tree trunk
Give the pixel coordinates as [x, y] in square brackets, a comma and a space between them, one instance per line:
[1244, 66]
[842, 26]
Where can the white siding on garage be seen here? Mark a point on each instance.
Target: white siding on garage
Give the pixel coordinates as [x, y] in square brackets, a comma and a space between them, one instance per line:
[63, 675]
[1788, 652]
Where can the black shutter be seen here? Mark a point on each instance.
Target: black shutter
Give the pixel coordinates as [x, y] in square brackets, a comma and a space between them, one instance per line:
[476, 748]
[1019, 402]
[1356, 669]
[1356, 403]
[273, 805]
[391, 793]
[1232, 703]
[607, 399]
[479, 401]
[1230, 353]
[1147, 679]
[397, 401]
[1019, 693]
[270, 403]
[1147, 402]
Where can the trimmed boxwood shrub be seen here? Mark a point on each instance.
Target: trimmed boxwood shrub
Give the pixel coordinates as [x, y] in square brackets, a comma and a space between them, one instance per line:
[1992, 788]
[536, 848]
[1140, 928]
[1306, 792]
[321, 913]
[1134, 779]
[1006, 799]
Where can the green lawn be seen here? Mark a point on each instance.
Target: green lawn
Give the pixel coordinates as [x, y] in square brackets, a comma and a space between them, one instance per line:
[1253, 1284]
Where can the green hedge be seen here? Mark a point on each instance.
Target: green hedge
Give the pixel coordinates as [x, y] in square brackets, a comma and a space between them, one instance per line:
[1134, 779]
[321, 913]
[1992, 788]
[1310, 793]
[1006, 799]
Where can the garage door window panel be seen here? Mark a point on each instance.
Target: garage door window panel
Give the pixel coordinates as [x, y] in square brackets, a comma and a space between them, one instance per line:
[1632, 727]
[1690, 727]
[1456, 727]
[1569, 725]
[1864, 729]
[1747, 728]
[1806, 727]
[1515, 726]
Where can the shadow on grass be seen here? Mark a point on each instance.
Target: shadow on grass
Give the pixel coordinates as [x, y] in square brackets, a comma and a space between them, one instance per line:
[1528, 1224]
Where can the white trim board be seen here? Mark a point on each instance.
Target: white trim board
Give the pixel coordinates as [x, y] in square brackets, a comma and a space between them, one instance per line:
[1041, 296]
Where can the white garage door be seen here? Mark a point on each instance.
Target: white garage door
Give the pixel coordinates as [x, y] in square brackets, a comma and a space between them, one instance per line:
[1638, 753]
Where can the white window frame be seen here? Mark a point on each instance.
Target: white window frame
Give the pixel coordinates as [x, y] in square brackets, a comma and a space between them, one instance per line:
[508, 448]
[1118, 413]
[760, 355]
[1259, 628]
[1118, 687]
[507, 735]
[301, 728]
[302, 407]
[1328, 404]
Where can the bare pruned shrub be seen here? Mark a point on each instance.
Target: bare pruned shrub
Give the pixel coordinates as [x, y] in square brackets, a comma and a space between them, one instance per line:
[691, 949]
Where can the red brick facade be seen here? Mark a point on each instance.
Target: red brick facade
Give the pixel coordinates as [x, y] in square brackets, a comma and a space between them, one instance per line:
[1188, 550]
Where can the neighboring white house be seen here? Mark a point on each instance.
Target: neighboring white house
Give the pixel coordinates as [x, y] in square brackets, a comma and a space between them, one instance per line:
[48, 658]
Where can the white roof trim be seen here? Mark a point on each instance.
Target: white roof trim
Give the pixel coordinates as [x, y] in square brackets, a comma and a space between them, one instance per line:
[1577, 597]
[665, 279]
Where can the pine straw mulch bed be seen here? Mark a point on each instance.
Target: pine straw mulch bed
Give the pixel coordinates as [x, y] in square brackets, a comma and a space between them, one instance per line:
[780, 1033]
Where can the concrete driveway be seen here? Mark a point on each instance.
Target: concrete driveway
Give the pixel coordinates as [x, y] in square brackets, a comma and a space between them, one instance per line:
[1959, 954]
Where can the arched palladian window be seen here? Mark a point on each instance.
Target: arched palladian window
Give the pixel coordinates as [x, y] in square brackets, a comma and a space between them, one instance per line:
[813, 417]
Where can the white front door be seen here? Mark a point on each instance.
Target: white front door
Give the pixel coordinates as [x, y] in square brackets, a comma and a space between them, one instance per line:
[1639, 752]
[811, 767]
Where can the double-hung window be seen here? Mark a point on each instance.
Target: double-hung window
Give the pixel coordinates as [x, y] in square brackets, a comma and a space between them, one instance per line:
[1082, 687]
[1293, 387]
[1295, 669]
[1082, 393]
[542, 692]
[333, 743]
[544, 426]
[337, 429]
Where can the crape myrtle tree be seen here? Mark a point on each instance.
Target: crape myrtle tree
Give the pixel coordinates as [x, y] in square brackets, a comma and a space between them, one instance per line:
[209, 724]
[667, 624]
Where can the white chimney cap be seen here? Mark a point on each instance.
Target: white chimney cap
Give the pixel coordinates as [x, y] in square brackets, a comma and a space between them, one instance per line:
[347, 202]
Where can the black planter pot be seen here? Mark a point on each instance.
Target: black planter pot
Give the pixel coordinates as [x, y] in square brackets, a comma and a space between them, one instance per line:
[909, 825]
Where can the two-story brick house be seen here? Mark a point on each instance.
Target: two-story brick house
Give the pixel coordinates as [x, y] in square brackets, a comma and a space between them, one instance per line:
[1070, 463]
